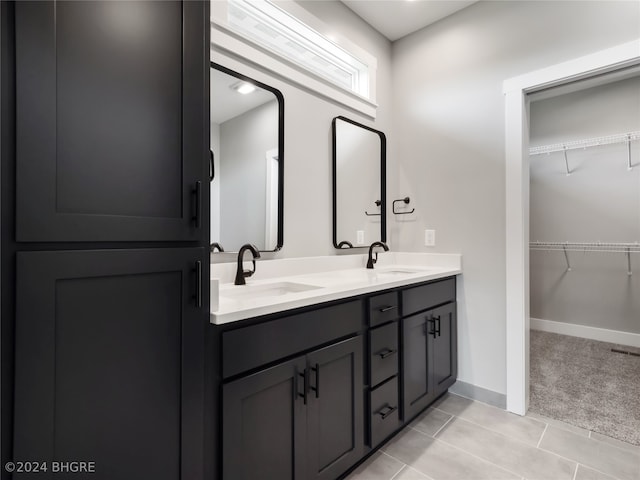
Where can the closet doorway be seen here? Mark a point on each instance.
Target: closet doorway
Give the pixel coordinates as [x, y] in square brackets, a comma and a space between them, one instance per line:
[516, 90]
[584, 263]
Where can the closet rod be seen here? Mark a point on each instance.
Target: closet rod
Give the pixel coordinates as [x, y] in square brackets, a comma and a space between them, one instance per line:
[585, 143]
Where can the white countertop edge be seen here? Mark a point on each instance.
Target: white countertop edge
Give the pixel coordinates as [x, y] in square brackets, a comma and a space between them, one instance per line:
[324, 294]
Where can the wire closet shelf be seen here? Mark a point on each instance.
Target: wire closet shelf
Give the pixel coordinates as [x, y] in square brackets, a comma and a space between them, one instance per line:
[586, 143]
[566, 247]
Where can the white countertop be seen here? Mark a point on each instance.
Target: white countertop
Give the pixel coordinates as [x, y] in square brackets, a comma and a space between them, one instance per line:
[321, 279]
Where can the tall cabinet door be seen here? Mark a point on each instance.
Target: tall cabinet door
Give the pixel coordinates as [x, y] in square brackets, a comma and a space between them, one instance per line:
[264, 424]
[111, 118]
[335, 409]
[417, 383]
[444, 348]
[109, 362]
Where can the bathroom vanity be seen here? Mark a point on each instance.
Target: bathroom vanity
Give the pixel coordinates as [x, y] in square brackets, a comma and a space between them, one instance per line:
[309, 391]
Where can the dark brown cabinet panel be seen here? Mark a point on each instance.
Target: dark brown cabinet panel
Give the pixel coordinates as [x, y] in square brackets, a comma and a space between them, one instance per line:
[335, 438]
[112, 108]
[264, 424]
[110, 362]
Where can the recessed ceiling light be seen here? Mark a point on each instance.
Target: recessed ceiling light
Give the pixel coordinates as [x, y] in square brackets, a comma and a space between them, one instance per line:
[243, 87]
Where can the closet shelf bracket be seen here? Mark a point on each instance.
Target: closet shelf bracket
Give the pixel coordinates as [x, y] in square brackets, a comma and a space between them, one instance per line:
[566, 255]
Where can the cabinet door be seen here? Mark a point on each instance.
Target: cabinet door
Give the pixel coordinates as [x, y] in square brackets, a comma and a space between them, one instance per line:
[417, 383]
[335, 409]
[110, 362]
[111, 124]
[264, 424]
[444, 348]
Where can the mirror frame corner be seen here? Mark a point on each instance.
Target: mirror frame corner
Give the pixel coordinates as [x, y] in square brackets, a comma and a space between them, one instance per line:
[280, 97]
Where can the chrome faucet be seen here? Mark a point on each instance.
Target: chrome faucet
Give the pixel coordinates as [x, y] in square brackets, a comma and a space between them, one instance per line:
[371, 260]
[241, 274]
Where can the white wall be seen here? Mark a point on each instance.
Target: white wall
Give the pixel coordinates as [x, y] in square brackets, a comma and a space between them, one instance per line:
[448, 142]
[244, 142]
[307, 149]
[598, 202]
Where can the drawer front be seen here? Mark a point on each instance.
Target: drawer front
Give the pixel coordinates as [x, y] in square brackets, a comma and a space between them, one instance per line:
[251, 347]
[383, 308]
[383, 343]
[385, 418]
[427, 296]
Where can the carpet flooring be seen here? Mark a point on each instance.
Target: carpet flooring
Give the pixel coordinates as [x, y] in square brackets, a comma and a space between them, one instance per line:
[583, 383]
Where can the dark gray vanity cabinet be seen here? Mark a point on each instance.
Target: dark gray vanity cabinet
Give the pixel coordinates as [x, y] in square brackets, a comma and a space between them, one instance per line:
[300, 418]
[429, 352]
[307, 395]
[111, 133]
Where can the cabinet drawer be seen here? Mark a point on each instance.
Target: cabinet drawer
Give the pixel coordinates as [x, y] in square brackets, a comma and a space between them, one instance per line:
[257, 345]
[383, 308]
[427, 296]
[383, 343]
[384, 411]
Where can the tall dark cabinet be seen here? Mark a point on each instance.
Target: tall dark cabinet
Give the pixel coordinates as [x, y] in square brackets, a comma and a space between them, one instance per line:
[105, 233]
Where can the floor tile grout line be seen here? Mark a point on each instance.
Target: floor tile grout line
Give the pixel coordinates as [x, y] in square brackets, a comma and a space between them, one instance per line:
[579, 463]
[401, 469]
[542, 436]
[575, 473]
[546, 426]
[419, 472]
[445, 424]
[510, 437]
[484, 460]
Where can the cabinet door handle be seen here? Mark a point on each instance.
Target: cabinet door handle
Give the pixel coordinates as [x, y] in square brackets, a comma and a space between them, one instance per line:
[212, 171]
[386, 309]
[385, 411]
[197, 191]
[198, 294]
[437, 325]
[316, 389]
[305, 383]
[386, 352]
[430, 327]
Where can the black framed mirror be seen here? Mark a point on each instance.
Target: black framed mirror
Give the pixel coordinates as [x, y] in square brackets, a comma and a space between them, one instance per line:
[359, 184]
[247, 162]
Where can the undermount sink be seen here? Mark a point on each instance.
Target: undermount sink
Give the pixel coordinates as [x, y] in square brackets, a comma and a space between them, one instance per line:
[263, 291]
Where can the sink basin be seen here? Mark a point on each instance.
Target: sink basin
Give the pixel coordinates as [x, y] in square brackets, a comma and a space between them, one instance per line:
[241, 292]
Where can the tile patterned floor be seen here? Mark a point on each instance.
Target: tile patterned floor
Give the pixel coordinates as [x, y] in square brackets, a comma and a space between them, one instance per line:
[461, 439]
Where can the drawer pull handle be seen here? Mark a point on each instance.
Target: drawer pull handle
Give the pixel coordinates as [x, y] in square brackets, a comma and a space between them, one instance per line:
[386, 309]
[389, 410]
[387, 352]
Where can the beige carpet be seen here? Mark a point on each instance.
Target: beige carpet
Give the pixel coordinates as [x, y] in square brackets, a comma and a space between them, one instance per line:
[583, 383]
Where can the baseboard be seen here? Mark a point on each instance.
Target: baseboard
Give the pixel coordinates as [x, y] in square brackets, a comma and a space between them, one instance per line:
[483, 395]
[583, 331]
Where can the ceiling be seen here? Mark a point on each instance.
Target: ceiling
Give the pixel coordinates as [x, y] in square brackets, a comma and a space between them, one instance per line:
[397, 18]
[229, 103]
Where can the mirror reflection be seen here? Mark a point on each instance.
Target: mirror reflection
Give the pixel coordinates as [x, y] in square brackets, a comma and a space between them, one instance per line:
[359, 157]
[246, 171]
